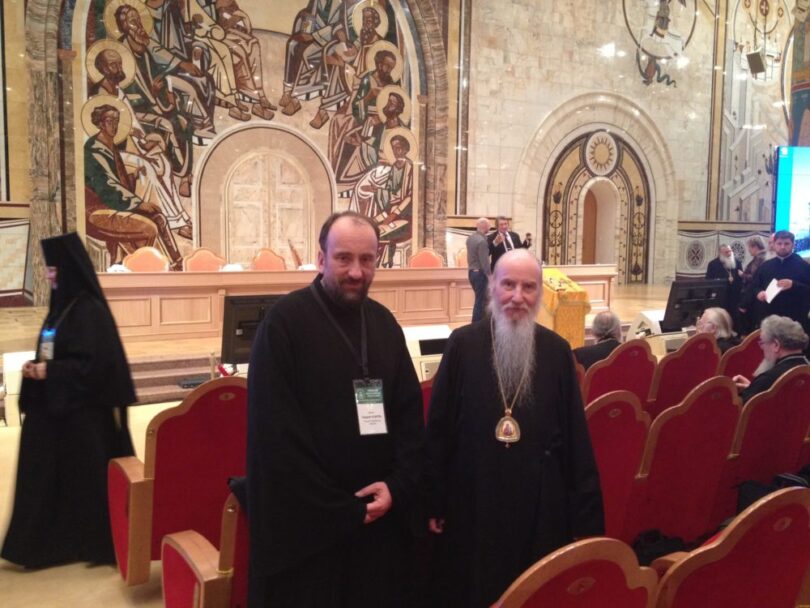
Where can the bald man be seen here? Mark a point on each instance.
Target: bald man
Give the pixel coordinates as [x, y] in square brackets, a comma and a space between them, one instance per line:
[510, 471]
[478, 266]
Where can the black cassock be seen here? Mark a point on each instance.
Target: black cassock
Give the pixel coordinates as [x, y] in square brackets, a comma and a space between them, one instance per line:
[505, 508]
[75, 422]
[306, 458]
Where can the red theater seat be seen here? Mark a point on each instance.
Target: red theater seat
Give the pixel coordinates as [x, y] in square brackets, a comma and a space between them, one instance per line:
[629, 367]
[618, 427]
[743, 359]
[679, 372]
[593, 573]
[759, 561]
[683, 461]
[191, 450]
[427, 391]
[196, 574]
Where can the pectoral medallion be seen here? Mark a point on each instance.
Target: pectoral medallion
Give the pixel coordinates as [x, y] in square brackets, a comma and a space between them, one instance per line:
[507, 430]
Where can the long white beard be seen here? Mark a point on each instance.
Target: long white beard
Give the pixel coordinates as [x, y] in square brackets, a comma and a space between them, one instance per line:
[764, 367]
[514, 356]
[729, 263]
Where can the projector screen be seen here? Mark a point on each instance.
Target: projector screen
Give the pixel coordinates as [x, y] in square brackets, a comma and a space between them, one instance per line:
[792, 200]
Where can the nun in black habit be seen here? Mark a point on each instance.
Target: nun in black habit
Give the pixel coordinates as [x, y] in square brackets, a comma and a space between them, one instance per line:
[74, 396]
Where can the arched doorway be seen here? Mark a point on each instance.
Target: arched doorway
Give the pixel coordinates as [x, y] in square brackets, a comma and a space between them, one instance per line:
[600, 205]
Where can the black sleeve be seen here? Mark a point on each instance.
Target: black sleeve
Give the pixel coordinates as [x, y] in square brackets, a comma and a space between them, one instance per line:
[295, 508]
[441, 438]
[584, 490]
[407, 427]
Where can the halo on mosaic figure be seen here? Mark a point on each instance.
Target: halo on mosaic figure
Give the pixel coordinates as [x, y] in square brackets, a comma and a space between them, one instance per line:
[124, 117]
[357, 17]
[384, 45]
[402, 132]
[127, 61]
[109, 17]
[382, 100]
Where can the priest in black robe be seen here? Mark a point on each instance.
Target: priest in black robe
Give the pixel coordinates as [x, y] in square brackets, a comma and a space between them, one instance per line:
[792, 274]
[332, 490]
[510, 470]
[727, 267]
[73, 396]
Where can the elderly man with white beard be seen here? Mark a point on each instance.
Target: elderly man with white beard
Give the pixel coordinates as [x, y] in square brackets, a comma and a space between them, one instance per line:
[727, 266]
[510, 471]
[782, 341]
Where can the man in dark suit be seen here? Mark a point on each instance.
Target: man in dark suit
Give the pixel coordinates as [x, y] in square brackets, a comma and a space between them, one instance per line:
[726, 266]
[505, 240]
[782, 341]
[607, 330]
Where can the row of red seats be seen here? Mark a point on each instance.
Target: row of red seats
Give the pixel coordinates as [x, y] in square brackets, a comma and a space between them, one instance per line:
[679, 473]
[632, 367]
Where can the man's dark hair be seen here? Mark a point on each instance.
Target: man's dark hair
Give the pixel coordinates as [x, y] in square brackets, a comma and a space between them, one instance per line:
[101, 61]
[374, 12]
[403, 142]
[785, 234]
[358, 219]
[121, 15]
[99, 112]
[380, 55]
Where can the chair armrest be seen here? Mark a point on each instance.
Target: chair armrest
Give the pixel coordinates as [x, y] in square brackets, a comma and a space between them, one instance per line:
[130, 497]
[665, 562]
[190, 563]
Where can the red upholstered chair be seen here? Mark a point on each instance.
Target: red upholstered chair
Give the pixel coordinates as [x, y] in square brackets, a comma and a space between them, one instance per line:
[196, 574]
[427, 390]
[769, 438]
[759, 561]
[679, 372]
[191, 450]
[683, 462]
[146, 259]
[203, 260]
[629, 367]
[743, 359]
[618, 427]
[426, 258]
[592, 573]
[267, 259]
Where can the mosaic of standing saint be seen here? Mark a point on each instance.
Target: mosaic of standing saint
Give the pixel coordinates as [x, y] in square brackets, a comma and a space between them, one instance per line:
[182, 75]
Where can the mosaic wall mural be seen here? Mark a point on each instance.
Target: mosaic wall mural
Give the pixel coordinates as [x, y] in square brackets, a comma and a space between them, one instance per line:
[598, 155]
[167, 81]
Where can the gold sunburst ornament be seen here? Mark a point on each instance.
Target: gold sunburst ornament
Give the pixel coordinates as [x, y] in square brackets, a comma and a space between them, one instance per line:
[601, 153]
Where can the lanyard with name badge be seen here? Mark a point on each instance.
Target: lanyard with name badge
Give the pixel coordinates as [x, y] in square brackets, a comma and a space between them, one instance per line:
[45, 351]
[368, 392]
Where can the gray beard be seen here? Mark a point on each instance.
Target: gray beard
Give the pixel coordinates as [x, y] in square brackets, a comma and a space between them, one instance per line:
[764, 367]
[729, 263]
[514, 356]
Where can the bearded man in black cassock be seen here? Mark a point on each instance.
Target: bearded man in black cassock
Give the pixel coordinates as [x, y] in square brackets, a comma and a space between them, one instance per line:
[335, 429]
[510, 470]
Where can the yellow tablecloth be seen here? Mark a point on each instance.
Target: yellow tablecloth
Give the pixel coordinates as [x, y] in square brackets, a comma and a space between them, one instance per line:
[564, 307]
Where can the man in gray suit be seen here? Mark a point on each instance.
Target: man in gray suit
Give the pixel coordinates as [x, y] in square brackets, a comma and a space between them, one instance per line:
[479, 268]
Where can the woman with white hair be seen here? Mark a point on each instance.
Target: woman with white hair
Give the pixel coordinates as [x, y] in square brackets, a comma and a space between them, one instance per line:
[717, 321]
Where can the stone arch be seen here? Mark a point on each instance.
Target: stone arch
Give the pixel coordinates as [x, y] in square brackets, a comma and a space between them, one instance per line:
[52, 126]
[622, 116]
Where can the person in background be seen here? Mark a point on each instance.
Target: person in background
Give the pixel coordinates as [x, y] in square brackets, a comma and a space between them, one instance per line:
[749, 309]
[725, 266]
[607, 331]
[504, 240]
[717, 322]
[479, 269]
[74, 395]
[782, 341]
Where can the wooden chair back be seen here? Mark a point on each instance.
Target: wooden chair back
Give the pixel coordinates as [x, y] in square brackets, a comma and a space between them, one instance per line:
[203, 260]
[618, 427]
[630, 367]
[267, 259]
[461, 258]
[580, 371]
[426, 258]
[146, 259]
[742, 359]
[592, 573]
[759, 560]
[683, 461]
[680, 372]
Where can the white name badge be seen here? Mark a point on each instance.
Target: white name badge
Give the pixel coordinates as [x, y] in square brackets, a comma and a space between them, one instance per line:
[46, 344]
[370, 410]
